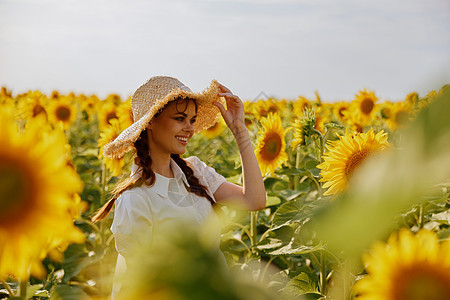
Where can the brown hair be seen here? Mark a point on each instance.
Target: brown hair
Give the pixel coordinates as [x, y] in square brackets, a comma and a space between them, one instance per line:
[144, 162]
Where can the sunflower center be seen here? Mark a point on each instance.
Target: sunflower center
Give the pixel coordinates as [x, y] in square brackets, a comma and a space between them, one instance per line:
[212, 128]
[272, 147]
[385, 113]
[367, 106]
[62, 113]
[341, 111]
[423, 282]
[359, 128]
[354, 161]
[111, 115]
[248, 122]
[401, 117]
[273, 109]
[16, 185]
[37, 109]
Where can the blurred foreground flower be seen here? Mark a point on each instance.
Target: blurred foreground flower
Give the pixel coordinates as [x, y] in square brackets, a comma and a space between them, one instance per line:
[36, 190]
[270, 146]
[408, 267]
[391, 184]
[181, 261]
[346, 154]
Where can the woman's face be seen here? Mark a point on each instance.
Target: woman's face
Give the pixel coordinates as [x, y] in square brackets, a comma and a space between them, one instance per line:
[170, 131]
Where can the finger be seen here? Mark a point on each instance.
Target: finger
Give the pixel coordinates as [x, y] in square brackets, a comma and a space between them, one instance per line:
[220, 107]
[228, 96]
[224, 88]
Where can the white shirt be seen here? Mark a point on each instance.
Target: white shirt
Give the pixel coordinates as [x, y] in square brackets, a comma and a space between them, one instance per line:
[148, 209]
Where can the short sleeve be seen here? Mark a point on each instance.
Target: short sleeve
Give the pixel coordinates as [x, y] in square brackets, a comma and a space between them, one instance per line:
[206, 174]
[132, 219]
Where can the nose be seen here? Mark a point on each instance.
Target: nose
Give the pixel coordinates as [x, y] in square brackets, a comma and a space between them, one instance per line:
[189, 127]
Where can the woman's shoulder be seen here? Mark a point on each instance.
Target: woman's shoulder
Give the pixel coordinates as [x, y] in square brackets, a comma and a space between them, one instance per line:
[133, 193]
[196, 164]
[193, 160]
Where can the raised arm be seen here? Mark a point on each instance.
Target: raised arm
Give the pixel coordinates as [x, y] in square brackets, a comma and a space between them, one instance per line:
[251, 195]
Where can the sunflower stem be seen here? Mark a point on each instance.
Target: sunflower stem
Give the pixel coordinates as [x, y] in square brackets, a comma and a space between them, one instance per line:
[7, 287]
[323, 273]
[345, 281]
[298, 161]
[253, 231]
[243, 228]
[263, 273]
[23, 289]
[103, 184]
[420, 216]
[321, 144]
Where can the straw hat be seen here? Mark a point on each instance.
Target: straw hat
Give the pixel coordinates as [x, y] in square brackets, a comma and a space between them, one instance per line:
[152, 96]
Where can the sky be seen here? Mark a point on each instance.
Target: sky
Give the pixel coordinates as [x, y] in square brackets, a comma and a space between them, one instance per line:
[257, 48]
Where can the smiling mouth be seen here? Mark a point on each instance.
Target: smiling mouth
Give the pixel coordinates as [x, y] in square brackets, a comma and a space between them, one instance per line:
[182, 139]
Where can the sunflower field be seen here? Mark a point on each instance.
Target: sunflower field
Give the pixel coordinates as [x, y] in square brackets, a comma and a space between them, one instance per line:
[357, 202]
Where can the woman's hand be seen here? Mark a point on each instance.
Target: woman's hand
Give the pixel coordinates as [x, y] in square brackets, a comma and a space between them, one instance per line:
[234, 114]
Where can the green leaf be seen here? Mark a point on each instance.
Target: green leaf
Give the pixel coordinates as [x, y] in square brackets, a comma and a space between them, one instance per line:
[277, 238]
[291, 249]
[274, 183]
[289, 212]
[272, 200]
[67, 292]
[34, 290]
[311, 164]
[75, 259]
[301, 287]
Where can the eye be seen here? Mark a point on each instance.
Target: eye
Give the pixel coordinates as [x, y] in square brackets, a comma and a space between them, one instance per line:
[181, 119]
[193, 121]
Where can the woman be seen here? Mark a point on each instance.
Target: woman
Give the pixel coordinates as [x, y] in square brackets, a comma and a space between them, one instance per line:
[164, 187]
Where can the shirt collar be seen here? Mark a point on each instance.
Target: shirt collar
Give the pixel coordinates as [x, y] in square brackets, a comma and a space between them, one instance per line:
[161, 185]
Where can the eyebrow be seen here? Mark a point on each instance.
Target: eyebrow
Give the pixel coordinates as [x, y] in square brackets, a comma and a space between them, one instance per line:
[185, 115]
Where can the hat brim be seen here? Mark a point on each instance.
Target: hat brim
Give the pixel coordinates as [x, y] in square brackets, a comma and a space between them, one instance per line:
[207, 116]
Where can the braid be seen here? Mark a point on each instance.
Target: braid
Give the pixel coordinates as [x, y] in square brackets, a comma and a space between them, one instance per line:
[195, 186]
[143, 158]
[144, 161]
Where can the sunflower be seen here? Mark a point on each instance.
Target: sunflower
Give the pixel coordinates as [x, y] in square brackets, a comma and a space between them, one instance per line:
[322, 116]
[408, 267]
[339, 110]
[216, 130]
[385, 109]
[249, 113]
[303, 128]
[106, 113]
[62, 111]
[354, 121]
[263, 108]
[300, 105]
[344, 157]
[270, 146]
[108, 134]
[412, 99]
[5, 95]
[399, 115]
[89, 105]
[425, 101]
[36, 187]
[125, 114]
[32, 105]
[299, 134]
[365, 104]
